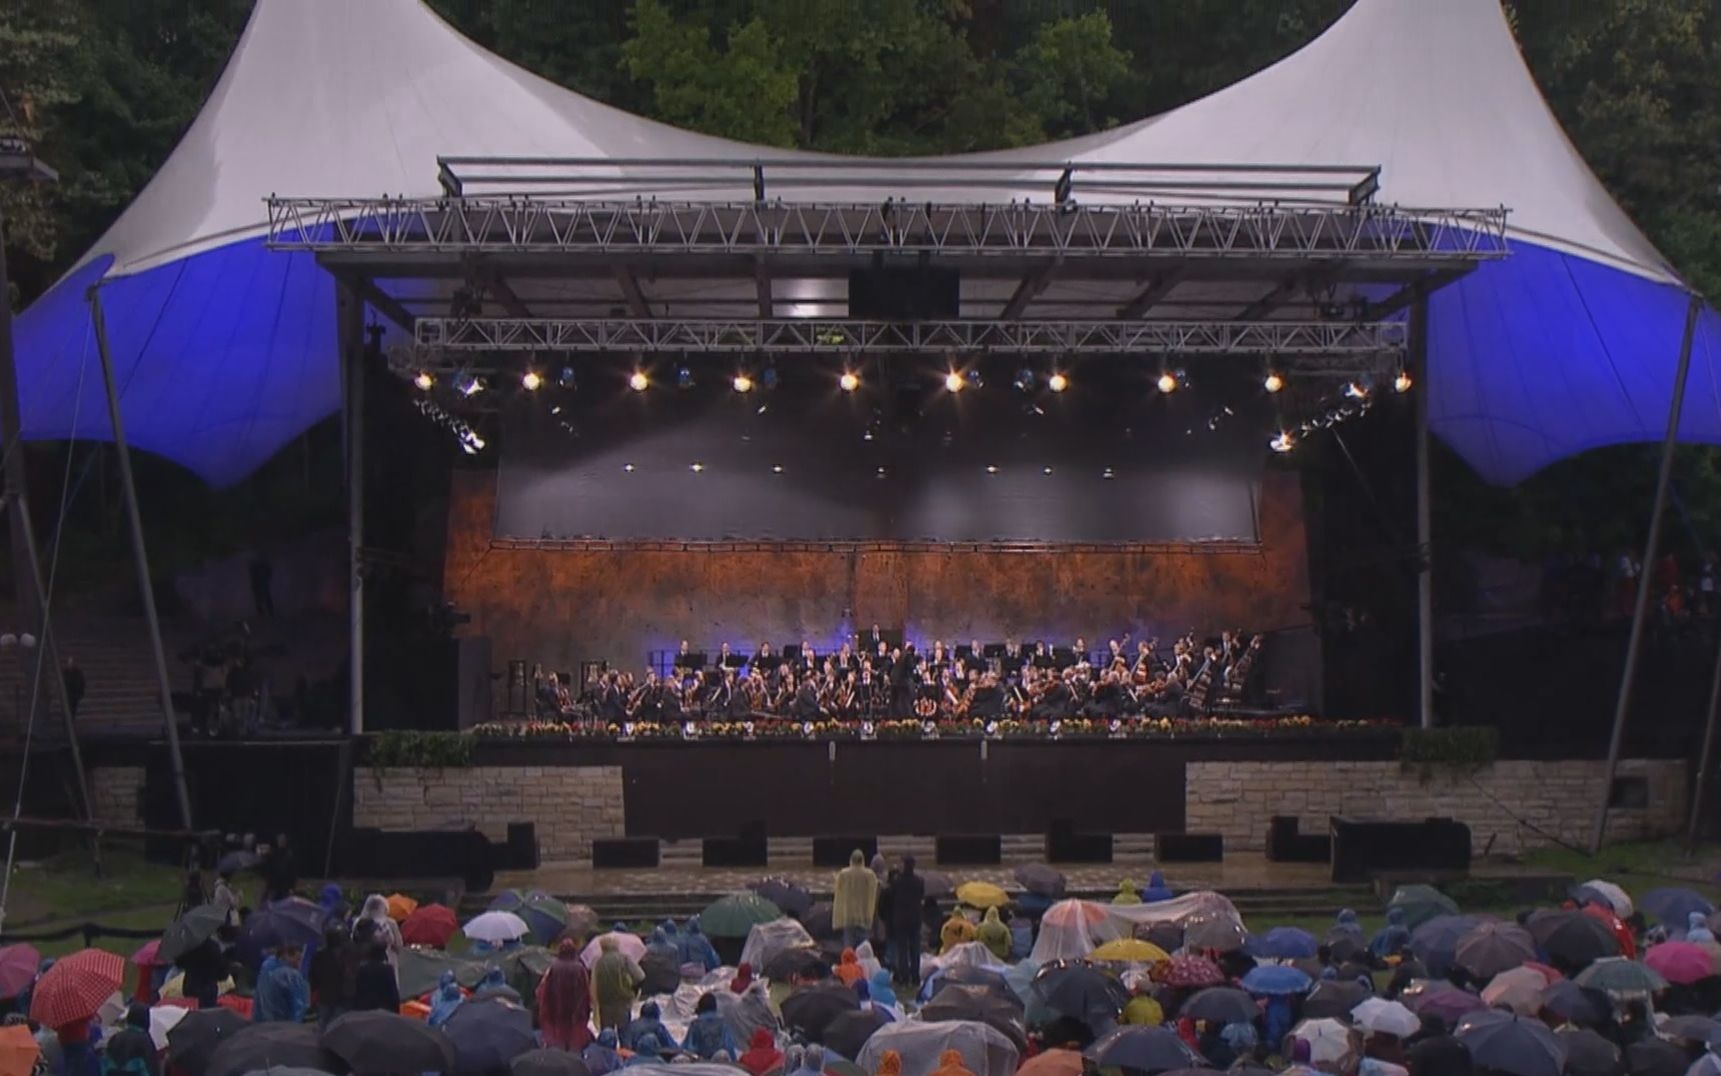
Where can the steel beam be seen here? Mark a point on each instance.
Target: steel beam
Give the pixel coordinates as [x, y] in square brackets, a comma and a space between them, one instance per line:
[1157, 288]
[1029, 290]
[629, 284]
[762, 286]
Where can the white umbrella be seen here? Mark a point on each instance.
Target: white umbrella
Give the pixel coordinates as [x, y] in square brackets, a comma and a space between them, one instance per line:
[630, 944]
[1330, 1044]
[1619, 898]
[497, 927]
[162, 1019]
[1380, 1016]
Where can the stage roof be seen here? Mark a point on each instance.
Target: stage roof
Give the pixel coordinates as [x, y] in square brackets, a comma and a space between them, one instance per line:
[225, 350]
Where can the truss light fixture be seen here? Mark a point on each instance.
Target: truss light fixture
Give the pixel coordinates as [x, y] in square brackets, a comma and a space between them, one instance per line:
[954, 381]
[849, 382]
[531, 381]
[566, 379]
[1273, 382]
[1058, 382]
[467, 385]
[639, 382]
[741, 382]
[1167, 382]
[1025, 380]
[1282, 442]
[684, 377]
[1356, 390]
[768, 378]
[425, 380]
[1402, 382]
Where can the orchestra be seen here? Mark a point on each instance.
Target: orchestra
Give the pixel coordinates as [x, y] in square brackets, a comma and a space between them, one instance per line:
[877, 679]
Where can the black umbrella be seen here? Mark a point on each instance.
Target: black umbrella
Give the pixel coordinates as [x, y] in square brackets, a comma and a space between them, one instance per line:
[793, 899]
[488, 1033]
[1672, 908]
[549, 1063]
[848, 1031]
[1224, 1005]
[1435, 942]
[1343, 946]
[234, 862]
[1167, 935]
[189, 931]
[293, 921]
[276, 1045]
[811, 1009]
[1655, 1057]
[1572, 940]
[1691, 1027]
[937, 884]
[1333, 999]
[1579, 1004]
[817, 921]
[1508, 1043]
[378, 1041]
[796, 964]
[1080, 992]
[1041, 879]
[192, 1041]
[1145, 1049]
[1588, 1054]
[975, 977]
[958, 1002]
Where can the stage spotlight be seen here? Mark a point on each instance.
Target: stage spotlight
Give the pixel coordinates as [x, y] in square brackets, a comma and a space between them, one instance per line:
[424, 380]
[954, 381]
[566, 379]
[696, 468]
[1273, 382]
[531, 381]
[742, 383]
[467, 385]
[1356, 391]
[628, 467]
[1024, 380]
[991, 468]
[684, 377]
[639, 382]
[1167, 383]
[1047, 472]
[1108, 474]
[849, 382]
[1057, 382]
[777, 468]
[1282, 442]
[1401, 383]
[768, 379]
[974, 379]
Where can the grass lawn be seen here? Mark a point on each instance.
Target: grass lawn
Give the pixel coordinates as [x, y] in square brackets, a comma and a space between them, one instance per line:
[1637, 864]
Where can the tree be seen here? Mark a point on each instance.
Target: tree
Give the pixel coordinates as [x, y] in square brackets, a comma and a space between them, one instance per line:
[1070, 74]
[36, 43]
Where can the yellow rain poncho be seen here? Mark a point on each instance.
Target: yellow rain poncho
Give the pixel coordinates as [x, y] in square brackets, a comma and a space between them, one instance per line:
[956, 930]
[854, 900]
[994, 935]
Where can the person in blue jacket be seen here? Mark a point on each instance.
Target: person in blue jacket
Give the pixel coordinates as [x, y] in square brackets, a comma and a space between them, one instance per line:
[709, 1032]
[282, 994]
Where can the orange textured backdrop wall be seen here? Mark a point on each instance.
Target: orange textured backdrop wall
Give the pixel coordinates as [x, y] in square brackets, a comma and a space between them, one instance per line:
[564, 606]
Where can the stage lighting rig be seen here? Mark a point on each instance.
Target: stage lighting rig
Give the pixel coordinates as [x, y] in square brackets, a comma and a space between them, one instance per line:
[1273, 382]
[566, 379]
[1402, 382]
[468, 384]
[1282, 442]
[741, 382]
[954, 382]
[531, 381]
[1167, 382]
[639, 382]
[849, 382]
[1058, 382]
[1025, 380]
[425, 380]
[684, 377]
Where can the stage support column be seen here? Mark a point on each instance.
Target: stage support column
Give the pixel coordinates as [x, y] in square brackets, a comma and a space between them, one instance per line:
[140, 555]
[350, 327]
[1703, 757]
[1424, 522]
[1651, 549]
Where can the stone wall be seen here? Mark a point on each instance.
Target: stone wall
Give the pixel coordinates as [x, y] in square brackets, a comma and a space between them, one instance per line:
[1510, 806]
[116, 794]
[570, 805]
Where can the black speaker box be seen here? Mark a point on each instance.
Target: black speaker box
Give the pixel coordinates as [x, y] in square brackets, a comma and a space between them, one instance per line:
[625, 852]
[906, 293]
[1285, 844]
[1069, 846]
[969, 849]
[1362, 847]
[1188, 847]
[835, 851]
[420, 854]
[734, 852]
[522, 846]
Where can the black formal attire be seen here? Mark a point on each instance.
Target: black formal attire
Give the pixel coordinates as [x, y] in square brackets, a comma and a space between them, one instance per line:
[906, 896]
[376, 987]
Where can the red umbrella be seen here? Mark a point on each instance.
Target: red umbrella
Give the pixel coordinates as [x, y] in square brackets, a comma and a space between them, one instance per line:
[75, 987]
[1680, 962]
[430, 925]
[1188, 971]
[18, 964]
[1616, 925]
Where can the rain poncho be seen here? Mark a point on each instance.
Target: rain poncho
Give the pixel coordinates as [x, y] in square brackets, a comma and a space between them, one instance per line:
[649, 1048]
[1279, 1019]
[495, 984]
[282, 995]
[1127, 893]
[647, 1023]
[950, 1064]
[696, 947]
[707, 1035]
[1345, 925]
[565, 1001]
[445, 1000]
[1698, 928]
[762, 1054]
[743, 978]
[601, 1057]
[661, 964]
[994, 935]
[1389, 939]
[1143, 1011]
[614, 981]
[985, 1050]
[882, 994]
[957, 930]
[854, 901]
[848, 968]
[1156, 890]
[889, 1064]
[375, 911]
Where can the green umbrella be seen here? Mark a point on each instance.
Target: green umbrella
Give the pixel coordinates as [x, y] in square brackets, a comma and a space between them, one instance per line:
[547, 916]
[1420, 903]
[733, 916]
[421, 969]
[189, 931]
[524, 967]
[1620, 977]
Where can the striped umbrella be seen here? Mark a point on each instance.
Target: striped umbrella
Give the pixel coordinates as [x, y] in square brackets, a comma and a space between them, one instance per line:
[75, 987]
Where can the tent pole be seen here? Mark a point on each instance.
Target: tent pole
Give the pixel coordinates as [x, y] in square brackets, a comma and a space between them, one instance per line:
[1703, 755]
[1424, 522]
[140, 554]
[350, 325]
[1651, 549]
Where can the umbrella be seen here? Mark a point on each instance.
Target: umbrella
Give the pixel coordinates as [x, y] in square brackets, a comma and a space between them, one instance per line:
[1283, 943]
[937, 884]
[1599, 890]
[234, 862]
[733, 916]
[1588, 1054]
[163, 1019]
[419, 971]
[388, 1042]
[548, 1062]
[982, 979]
[766, 940]
[1578, 1004]
[1491, 948]
[1331, 1044]
[1655, 1057]
[497, 927]
[811, 1009]
[1519, 989]
[488, 1033]
[1691, 1028]
[1276, 980]
[955, 1001]
[1041, 879]
[75, 987]
[19, 1051]
[1080, 992]
[430, 924]
[1435, 942]
[1334, 997]
[985, 1051]
[1221, 1005]
[1672, 908]
[848, 1031]
[1144, 1049]
[509, 900]
[982, 895]
[147, 955]
[190, 930]
[1129, 951]
[582, 920]
[192, 1041]
[795, 964]
[1214, 930]
[257, 1047]
[1420, 903]
[1680, 962]
[1069, 913]
[294, 921]
[1507, 1043]
[400, 906]
[545, 916]
[817, 921]
[793, 899]
[1382, 1017]
[626, 941]
[1053, 1062]
[1571, 939]
[1447, 1002]
[1189, 971]
[1619, 977]
[18, 964]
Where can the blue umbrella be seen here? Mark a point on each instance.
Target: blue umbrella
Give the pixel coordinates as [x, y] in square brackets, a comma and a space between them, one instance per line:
[1672, 908]
[1283, 943]
[1276, 980]
[1505, 1042]
[1435, 942]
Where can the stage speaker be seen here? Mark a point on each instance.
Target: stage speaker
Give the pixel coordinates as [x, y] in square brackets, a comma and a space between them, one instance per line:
[1188, 847]
[1069, 846]
[625, 852]
[734, 852]
[1285, 844]
[522, 846]
[968, 849]
[906, 293]
[835, 851]
[420, 854]
[475, 702]
[1363, 847]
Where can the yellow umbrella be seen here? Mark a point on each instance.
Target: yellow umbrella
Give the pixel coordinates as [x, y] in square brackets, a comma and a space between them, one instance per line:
[400, 906]
[981, 895]
[1130, 951]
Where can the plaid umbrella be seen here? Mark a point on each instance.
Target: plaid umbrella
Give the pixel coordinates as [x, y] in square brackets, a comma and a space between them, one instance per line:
[75, 987]
[1188, 971]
